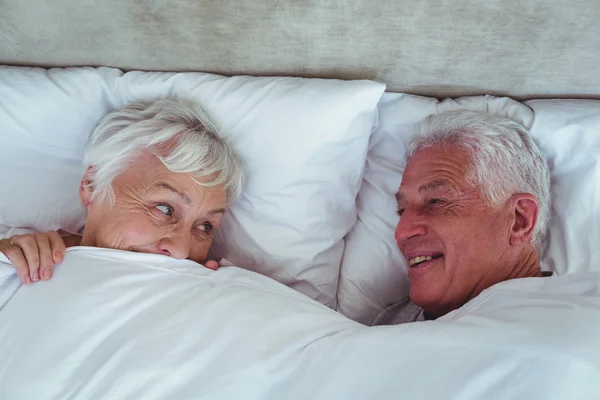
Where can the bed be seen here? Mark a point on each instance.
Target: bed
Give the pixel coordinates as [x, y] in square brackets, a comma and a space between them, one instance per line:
[320, 99]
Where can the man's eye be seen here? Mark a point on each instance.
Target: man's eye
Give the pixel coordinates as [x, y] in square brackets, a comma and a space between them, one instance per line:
[206, 228]
[433, 202]
[165, 209]
[400, 211]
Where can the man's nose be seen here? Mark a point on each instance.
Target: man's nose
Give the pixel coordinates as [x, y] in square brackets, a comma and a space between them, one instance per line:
[411, 224]
[176, 244]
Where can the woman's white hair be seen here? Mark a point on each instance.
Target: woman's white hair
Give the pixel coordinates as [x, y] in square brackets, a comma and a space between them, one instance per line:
[176, 126]
[505, 158]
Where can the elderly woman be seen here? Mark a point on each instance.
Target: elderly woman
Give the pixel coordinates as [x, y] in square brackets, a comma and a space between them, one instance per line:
[157, 180]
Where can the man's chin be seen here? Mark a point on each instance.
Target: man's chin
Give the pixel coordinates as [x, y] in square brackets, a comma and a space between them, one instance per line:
[425, 296]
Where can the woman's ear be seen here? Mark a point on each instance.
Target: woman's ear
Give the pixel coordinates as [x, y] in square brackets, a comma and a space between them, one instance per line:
[86, 187]
[525, 211]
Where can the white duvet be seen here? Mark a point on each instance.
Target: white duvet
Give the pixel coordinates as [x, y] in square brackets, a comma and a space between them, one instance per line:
[119, 325]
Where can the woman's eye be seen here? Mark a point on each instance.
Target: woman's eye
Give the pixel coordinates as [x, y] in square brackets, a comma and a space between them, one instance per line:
[165, 209]
[206, 228]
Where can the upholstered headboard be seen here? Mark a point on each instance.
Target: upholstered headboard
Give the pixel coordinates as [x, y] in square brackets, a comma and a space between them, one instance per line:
[535, 48]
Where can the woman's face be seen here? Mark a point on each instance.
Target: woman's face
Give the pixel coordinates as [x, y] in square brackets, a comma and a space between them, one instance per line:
[155, 211]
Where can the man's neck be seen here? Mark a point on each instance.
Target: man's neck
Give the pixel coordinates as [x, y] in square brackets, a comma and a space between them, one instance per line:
[527, 267]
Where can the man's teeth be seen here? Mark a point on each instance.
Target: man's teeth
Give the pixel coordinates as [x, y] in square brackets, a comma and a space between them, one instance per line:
[419, 259]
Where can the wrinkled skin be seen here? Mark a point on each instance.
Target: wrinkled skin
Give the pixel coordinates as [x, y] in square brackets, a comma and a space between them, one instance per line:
[473, 244]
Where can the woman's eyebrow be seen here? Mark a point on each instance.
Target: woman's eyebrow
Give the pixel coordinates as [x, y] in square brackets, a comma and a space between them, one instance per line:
[166, 186]
[217, 211]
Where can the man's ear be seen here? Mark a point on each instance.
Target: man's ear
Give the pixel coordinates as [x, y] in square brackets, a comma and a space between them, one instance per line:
[86, 188]
[525, 208]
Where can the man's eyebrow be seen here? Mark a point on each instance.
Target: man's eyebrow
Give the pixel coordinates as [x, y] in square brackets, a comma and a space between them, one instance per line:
[434, 185]
[428, 187]
[399, 196]
[166, 186]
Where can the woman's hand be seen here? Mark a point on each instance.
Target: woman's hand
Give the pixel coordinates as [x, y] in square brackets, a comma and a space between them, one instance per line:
[34, 255]
[214, 265]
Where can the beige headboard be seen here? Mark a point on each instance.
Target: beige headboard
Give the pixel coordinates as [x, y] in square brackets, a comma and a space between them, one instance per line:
[521, 48]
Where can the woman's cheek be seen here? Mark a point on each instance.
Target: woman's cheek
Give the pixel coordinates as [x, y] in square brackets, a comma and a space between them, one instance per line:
[199, 251]
[139, 231]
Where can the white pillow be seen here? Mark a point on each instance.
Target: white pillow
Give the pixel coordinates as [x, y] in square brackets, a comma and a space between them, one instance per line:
[374, 273]
[304, 142]
[569, 133]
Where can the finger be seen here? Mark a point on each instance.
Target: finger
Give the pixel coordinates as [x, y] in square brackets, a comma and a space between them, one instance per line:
[71, 240]
[223, 262]
[17, 259]
[211, 265]
[4, 245]
[29, 247]
[46, 261]
[57, 243]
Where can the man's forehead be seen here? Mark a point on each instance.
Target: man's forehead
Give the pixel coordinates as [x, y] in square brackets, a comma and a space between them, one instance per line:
[435, 168]
[438, 157]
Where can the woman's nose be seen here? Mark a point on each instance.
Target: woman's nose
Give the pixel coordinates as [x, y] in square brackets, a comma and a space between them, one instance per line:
[176, 245]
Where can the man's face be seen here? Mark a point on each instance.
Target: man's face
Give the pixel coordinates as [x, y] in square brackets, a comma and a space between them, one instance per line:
[454, 242]
[156, 211]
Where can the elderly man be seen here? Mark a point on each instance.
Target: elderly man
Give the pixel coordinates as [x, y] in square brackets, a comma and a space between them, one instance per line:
[157, 180]
[474, 208]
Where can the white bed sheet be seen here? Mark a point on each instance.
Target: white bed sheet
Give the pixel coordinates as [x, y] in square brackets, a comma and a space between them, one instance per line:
[119, 325]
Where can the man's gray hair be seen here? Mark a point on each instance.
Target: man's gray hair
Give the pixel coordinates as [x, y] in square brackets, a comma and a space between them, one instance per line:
[176, 126]
[505, 158]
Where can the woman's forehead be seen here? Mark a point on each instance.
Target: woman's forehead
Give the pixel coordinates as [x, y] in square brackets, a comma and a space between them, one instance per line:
[147, 174]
